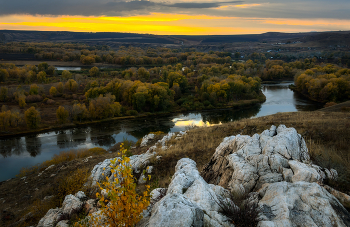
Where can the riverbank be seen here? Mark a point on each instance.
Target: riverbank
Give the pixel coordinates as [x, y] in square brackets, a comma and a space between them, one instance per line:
[326, 134]
[294, 88]
[242, 104]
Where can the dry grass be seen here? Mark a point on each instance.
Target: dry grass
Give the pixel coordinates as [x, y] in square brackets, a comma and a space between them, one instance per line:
[326, 133]
[64, 156]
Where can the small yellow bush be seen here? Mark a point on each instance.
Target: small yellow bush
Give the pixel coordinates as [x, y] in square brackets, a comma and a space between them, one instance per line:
[124, 206]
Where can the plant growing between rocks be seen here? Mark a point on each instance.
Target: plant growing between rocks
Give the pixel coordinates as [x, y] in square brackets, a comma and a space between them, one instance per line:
[122, 206]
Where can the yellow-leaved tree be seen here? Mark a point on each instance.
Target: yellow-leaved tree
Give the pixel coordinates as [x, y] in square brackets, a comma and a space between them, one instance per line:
[123, 205]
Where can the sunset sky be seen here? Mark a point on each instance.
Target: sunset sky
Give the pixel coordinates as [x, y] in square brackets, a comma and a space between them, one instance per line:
[188, 17]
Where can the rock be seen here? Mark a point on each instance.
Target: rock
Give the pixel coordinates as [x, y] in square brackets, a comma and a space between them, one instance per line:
[303, 172]
[300, 204]
[142, 179]
[102, 170]
[80, 195]
[90, 206]
[243, 163]
[71, 204]
[189, 196]
[51, 166]
[145, 139]
[52, 217]
[149, 169]
[343, 198]
[63, 223]
[176, 210]
[139, 162]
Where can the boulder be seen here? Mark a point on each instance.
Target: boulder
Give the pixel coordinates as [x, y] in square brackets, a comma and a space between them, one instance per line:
[300, 204]
[188, 196]
[176, 210]
[71, 204]
[52, 217]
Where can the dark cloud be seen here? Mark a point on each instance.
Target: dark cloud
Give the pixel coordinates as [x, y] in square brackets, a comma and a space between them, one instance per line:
[205, 5]
[337, 9]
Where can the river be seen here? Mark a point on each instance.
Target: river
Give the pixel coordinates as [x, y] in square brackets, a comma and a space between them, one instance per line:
[26, 151]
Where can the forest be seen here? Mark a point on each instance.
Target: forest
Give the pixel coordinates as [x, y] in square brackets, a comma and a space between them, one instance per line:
[146, 81]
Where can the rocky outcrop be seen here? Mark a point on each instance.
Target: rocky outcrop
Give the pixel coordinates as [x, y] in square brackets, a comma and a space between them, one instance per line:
[59, 216]
[246, 163]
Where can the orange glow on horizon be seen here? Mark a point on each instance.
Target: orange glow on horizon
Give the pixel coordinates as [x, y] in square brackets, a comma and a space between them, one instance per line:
[170, 24]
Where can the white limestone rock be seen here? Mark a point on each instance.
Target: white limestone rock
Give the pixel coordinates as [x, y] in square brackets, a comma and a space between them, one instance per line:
[52, 217]
[303, 172]
[63, 223]
[71, 204]
[300, 204]
[176, 210]
[146, 138]
[101, 171]
[80, 195]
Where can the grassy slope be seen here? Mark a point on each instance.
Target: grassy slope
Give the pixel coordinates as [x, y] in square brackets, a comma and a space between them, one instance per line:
[326, 134]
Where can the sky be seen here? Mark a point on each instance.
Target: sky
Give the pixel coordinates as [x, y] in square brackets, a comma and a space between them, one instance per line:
[176, 17]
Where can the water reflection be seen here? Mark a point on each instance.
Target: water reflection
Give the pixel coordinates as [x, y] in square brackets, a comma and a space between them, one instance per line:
[29, 150]
[33, 145]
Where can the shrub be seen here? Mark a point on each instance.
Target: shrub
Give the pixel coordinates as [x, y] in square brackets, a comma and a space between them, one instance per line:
[66, 75]
[240, 210]
[33, 98]
[50, 101]
[124, 206]
[328, 104]
[71, 184]
[34, 89]
[131, 113]
[32, 117]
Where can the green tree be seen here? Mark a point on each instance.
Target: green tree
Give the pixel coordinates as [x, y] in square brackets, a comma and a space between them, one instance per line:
[32, 117]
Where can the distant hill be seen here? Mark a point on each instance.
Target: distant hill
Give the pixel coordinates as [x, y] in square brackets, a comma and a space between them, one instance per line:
[322, 38]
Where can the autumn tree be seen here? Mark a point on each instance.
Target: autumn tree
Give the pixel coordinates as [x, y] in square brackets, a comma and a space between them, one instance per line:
[53, 91]
[94, 72]
[22, 101]
[71, 85]
[79, 112]
[66, 75]
[3, 75]
[62, 115]
[32, 117]
[3, 94]
[41, 77]
[60, 87]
